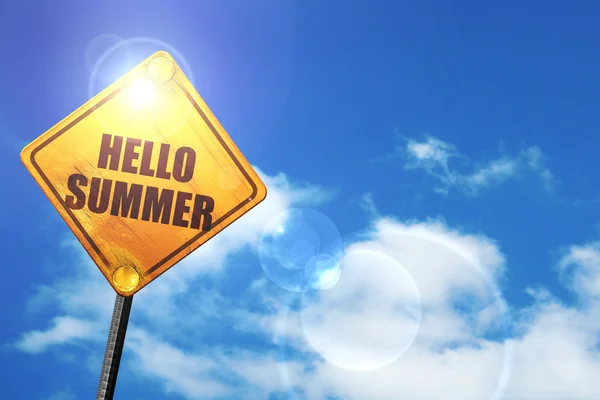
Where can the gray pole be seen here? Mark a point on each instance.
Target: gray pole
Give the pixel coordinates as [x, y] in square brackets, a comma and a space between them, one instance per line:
[114, 348]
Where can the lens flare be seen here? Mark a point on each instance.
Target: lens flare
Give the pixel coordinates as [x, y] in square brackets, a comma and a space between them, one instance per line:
[369, 319]
[109, 68]
[141, 93]
[300, 249]
[322, 271]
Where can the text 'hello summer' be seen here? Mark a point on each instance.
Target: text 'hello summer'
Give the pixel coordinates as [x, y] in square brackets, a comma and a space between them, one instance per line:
[135, 201]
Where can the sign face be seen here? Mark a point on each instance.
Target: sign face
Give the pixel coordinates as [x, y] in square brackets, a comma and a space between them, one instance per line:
[143, 174]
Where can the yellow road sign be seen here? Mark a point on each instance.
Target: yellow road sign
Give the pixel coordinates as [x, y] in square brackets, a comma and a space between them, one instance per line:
[143, 174]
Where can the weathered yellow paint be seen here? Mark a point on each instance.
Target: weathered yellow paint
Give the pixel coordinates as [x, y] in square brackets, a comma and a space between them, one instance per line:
[153, 102]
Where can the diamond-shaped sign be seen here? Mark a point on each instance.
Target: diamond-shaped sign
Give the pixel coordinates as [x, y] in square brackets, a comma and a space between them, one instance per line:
[143, 174]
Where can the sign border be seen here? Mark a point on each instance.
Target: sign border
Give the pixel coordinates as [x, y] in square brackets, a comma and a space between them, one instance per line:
[181, 248]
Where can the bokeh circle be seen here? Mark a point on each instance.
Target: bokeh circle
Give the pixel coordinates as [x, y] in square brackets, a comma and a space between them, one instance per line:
[300, 249]
[374, 286]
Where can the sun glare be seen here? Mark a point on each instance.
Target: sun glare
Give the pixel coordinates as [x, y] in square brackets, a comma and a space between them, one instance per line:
[141, 92]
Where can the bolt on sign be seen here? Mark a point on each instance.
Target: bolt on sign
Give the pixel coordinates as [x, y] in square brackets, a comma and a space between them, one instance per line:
[143, 174]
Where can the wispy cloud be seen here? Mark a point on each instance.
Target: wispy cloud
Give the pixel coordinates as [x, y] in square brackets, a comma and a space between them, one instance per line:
[580, 268]
[455, 171]
[180, 372]
[63, 330]
[368, 205]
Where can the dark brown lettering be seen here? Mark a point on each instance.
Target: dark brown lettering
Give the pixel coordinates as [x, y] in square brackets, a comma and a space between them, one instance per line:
[130, 154]
[113, 151]
[157, 206]
[146, 157]
[98, 201]
[73, 184]
[127, 201]
[185, 160]
[163, 158]
[203, 206]
[181, 208]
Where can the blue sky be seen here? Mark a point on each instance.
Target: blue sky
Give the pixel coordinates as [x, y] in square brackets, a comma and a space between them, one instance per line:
[451, 145]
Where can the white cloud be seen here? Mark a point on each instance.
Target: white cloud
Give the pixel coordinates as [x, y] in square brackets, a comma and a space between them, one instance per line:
[264, 372]
[581, 268]
[554, 354]
[367, 319]
[208, 374]
[63, 330]
[434, 156]
[557, 354]
[433, 151]
[186, 374]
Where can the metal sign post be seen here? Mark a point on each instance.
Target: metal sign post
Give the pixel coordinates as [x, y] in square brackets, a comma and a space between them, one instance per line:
[114, 348]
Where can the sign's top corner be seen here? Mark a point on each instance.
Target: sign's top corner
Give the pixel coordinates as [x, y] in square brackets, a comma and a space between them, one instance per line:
[161, 54]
